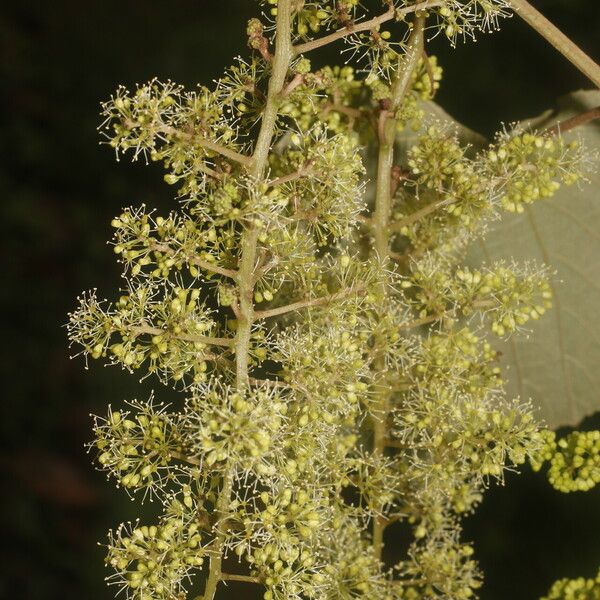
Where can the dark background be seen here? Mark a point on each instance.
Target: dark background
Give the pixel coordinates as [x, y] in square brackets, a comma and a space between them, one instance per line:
[59, 190]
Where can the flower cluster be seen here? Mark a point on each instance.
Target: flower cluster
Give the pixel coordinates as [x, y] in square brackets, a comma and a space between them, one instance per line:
[574, 460]
[153, 562]
[462, 356]
[229, 427]
[476, 442]
[330, 95]
[455, 192]
[353, 569]
[334, 351]
[575, 589]
[462, 18]
[155, 247]
[530, 167]
[507, 296]
[441, 568]
[323, 168]
[139, 450]
[329, 372]
[164, 123]
[163, 328]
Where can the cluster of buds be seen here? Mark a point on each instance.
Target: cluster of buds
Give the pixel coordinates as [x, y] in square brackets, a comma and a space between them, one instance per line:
[574, 460]
[152, 562]
[440, 569]
[138, 448]
[579, 588]
[460, 356]
[164, 329]
[530, 167]
[348, 388]
[164, 123]
[508, 296]
[228, 426]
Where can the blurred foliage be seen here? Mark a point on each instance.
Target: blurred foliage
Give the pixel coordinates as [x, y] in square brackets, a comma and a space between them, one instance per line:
[59, 191]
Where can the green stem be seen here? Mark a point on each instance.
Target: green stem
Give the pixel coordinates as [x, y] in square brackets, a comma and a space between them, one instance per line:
[247, 263]
[245, 276]
[387, 130]
[194, 260]
[208, 144]
[373, 23]
[279, 68]
[397, 226]
[216, 561]
[204, 339]
[236, 577]
[558, 39]
[381, 219]
[245, 281]
[282, 310]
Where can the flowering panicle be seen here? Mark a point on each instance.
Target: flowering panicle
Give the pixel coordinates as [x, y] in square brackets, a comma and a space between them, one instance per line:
[138, 449]
[575, 589]
[574, 460]
[440, 568]
[333, 351]
[162, 328]
[530, 167]
[156, 560]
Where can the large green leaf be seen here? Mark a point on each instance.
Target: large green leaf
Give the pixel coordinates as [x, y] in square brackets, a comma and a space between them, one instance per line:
[558, 364]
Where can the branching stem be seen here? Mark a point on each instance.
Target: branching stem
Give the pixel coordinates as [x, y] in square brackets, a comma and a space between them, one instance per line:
[204, 339]
[247, 264]
[558, 39]
[576, 121]
[208, 144]
[235, 577]
[387, 133]
[381, 217]
[301, 172]
[194, 260]
[373, 23]
[208, 266]
[397, 226]
[423, 321]
[216, 559]
[188, 459]
[281, 310]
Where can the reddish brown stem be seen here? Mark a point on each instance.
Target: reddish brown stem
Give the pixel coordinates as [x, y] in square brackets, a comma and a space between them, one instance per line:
[573, 122]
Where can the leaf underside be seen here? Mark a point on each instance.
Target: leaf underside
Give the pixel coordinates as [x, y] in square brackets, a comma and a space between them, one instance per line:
[557, 362]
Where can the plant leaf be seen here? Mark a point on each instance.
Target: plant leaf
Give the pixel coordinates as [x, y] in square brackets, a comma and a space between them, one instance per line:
[558, 364]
